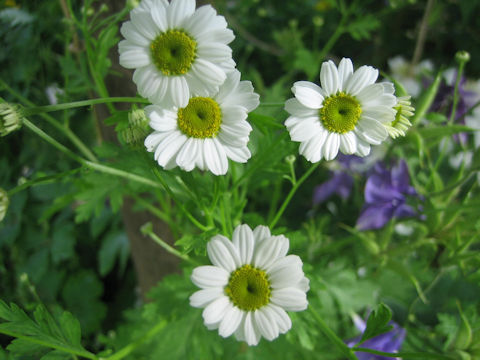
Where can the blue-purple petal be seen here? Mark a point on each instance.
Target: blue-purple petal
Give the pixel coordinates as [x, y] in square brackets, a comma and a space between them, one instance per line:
[374, 216]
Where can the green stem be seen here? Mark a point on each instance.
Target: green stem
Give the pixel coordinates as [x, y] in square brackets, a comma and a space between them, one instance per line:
[455, 92]
[132, 346]
[82, 353]
[52, 121]
[41, 180]
[147, 230]
[75, 104]
[404, 355]
[332, 336]
[93, 165]
[291, 193]
[179, 203]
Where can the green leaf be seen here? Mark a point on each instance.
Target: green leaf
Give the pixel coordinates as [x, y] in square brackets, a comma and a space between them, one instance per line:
[43, 331]
[440, 131]
[377, 322]
[362, 27]
[63, 242]
[115, 245]
[426, 100]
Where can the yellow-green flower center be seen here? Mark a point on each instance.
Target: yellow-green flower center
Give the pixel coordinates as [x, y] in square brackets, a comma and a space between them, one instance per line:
[340, 113]
[173, 52]
[201, 118]
[249, 288]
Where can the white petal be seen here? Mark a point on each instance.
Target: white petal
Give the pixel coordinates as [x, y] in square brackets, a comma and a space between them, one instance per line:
[130, 32]
[281, 317]
[266, 323]
[200, 20]
[262, 232]
[222, 253]
[244, 243]
[290, 299]
[208, 72]
[214, 51]
[305, 129]
[169, 147]
[383, 114]
[234, 115]
[345, 70]
[250, 330]
[187, 154]
[238, 154]
[371, 131]
[370, 93]
[209, 277]
[202, 298]
[361, 78]
[296, 108]
[178, 11]
[231, 321]
[308, 94]
[159, 16]
[269, 250]
[329, 78]
[132, 56]
[160, 119]
[179, 91]
[348, 143]
[286, 272]
[228, 139]
[215, 157]
[221, 35]
[152, 140]
[144, 24]
[216, 310]
[363, 148]
[331, 146]
[312, 149]
[304, 284]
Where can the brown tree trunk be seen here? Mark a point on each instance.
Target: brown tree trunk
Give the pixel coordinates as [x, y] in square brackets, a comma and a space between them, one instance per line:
[151, 262]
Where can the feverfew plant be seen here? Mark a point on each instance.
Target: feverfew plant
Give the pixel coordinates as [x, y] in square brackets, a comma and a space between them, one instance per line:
[179, 222]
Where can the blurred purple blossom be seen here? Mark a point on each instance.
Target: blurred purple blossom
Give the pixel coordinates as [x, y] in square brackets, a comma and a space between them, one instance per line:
[386, 193]
[387, 342]
[443, 101]
[341, 179]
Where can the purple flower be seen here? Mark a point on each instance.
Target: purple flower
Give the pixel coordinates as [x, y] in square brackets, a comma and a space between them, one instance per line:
[387, 342]
[385, 196]
[341, 180]
[443, 101]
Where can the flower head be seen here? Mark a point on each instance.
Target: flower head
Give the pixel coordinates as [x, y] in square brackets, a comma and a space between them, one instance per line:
[346, 113]
[3, 203]
[386, 193]
[388, 342]
[207, 132]
[250, 286]
[10, 118]
[400, 125]
[176, 50]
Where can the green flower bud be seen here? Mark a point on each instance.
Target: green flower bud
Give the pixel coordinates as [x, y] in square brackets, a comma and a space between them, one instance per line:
[10, 118]
[462, 56]
[137, 129]
[400, 125]
[3, 203]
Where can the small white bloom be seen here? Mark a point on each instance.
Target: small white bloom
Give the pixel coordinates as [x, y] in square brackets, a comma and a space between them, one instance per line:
[346, 113]
[206, 132]
[401, 123]
[11, 118]
[176, 50]
[250, 286]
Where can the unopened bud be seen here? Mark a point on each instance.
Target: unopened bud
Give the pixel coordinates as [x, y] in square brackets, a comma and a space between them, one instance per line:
[137, 129]
[462, 56]
[10, 118]
[290, 159]
[3, 203]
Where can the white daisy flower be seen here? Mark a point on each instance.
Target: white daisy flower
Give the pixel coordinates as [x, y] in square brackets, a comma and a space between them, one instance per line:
[250, 286]
[176, 50]
[346, 113]
[401, 123]
[206, 132]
